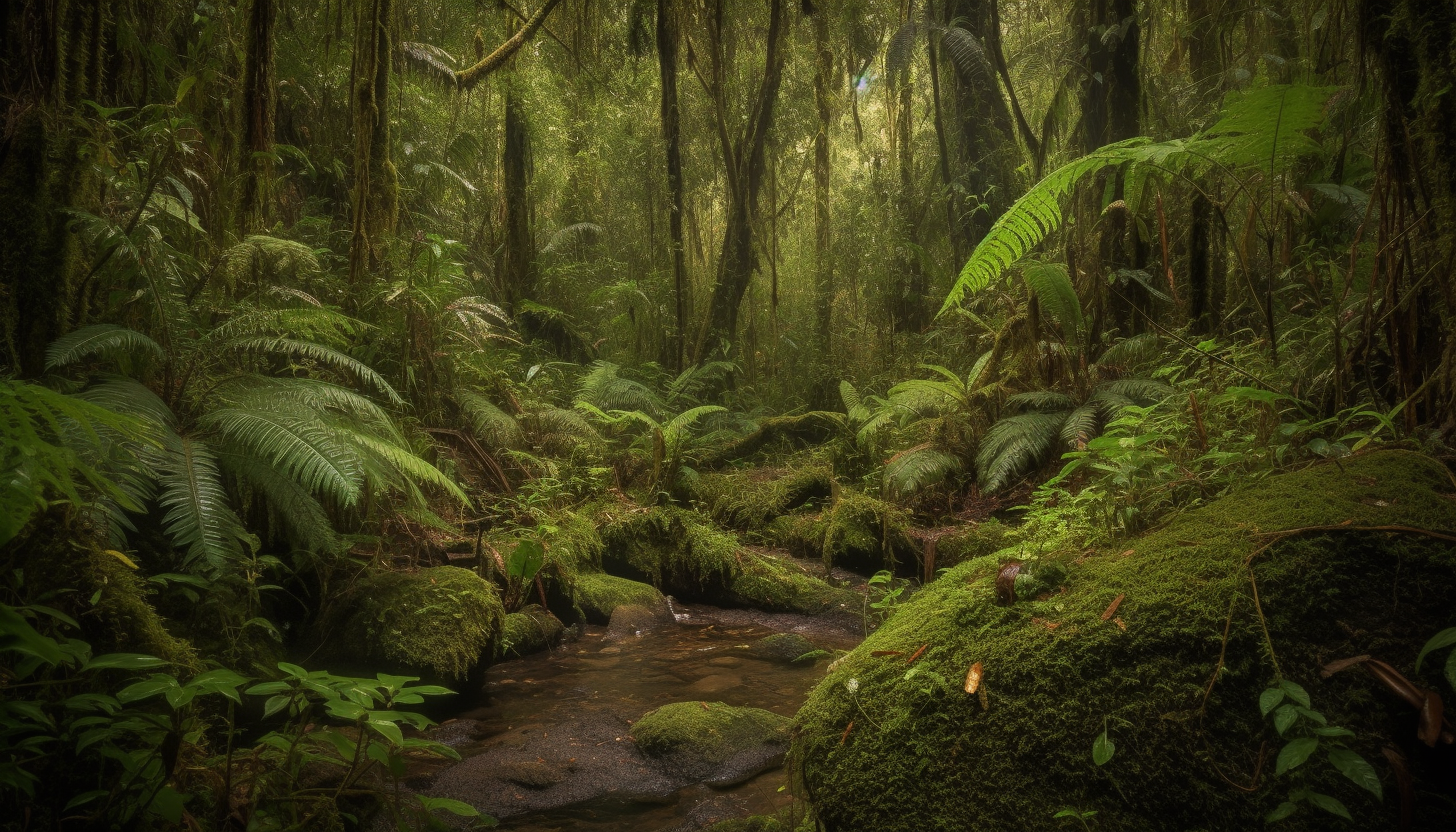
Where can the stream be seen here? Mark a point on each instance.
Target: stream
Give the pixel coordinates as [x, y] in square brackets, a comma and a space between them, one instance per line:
[547, 745]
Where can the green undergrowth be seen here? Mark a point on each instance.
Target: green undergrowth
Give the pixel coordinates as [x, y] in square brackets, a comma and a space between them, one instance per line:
[922, 754]
[439, 621]
[856, 532]
[974, 540]
[751, 498]
[530, 630]
[597, 594]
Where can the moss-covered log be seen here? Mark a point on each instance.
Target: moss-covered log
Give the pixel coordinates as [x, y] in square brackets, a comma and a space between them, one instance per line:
[528, 631]
[1174, 673]
[750, 499]
[812, 428]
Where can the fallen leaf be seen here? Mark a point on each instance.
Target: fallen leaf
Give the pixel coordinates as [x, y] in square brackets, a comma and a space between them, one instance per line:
[1429, 729]
[917, 653]
[1403, 782]
[1343, 664]
[1120, 625]
[973, 678]
[847, 729]
[1112, 608]
[1128, 552]
[1398, 684]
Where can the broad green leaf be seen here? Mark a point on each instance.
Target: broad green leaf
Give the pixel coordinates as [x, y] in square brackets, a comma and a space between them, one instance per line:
[1102, 749]
[1269, 699]
[123, 661]
[1439, 641]
[157, 684]
[388, 730]
[1360, 772]
[1329, 804]
[1283, 811]
[456, 807]
[1295, 692]
[1286, 716]
[1294, 754]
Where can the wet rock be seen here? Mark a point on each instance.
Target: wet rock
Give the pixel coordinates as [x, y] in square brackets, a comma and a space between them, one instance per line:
[633, 621]
[599, 595]
[714, 684]
[784, 648]
[712, 742]
[456, 732]
[533, 774]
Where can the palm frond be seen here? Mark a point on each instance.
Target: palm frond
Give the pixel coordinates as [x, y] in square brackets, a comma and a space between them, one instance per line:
[301, 444]
[196, 512]
[319, 354]
[911, 471]
[1143, 391]
[1015, 446]
[103, 340]
[1043, 401]
[495, 427]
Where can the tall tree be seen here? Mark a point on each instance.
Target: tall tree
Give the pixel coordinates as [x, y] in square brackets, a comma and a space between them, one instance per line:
[258, 111]
[667, 44]
[825, 78]
[517, 274]
[376, 182]
[1208, 22]
[743, 160]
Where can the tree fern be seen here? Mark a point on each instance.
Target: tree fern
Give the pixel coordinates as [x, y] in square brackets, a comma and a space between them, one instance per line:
[308, 394]
[573, 239]
[305, 522]
[123, 395]
[196, 514]
[263, 259]
[1015, 446]
[319, 354]
[913, 470]
[1042, 401]
[103, 341]
[675, 432]
[1143, 391]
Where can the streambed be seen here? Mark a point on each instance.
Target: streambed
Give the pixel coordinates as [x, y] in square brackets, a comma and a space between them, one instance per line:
[548, 747]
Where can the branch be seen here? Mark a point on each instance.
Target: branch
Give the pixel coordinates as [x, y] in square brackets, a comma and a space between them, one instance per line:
[467, 78]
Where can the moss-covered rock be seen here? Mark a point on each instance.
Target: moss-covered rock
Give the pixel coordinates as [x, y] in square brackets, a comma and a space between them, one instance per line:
[440, 621]
[779, 585]
[1180, 702]
[670, 548]
[751, 498]
[856, 532]
[713, 741]
[598, 594]
[530, 630]
[972, 541]
[783, 648]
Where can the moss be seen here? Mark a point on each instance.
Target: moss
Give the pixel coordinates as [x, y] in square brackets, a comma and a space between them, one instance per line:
[813, 427]
[754, 823]
[777, 585]
[713, 732]
[784, 648]
[866, 534]
[972, 541]
[598, 594]
[531, 630]
[441, 620]
[926, 757]
[669, 548]
[750, 499]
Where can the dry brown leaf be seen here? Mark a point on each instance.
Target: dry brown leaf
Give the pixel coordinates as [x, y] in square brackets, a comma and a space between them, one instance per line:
[973, 678]
[847, 729]
[1120, 625]
[1404, 782]
[1006, 584]
[1343, 664]
[917, 653]
[1112, 608]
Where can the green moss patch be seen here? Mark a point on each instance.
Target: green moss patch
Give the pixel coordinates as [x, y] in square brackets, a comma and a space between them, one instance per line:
[779, 585]
[598, 594]
[700, 739]
[750, 499]
[857, 532]
[440, 620]
[531, 630]
[922, 754]
[972, 541]
[669, 548]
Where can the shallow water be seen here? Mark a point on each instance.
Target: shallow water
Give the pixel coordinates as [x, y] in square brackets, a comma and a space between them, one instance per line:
[571, 706]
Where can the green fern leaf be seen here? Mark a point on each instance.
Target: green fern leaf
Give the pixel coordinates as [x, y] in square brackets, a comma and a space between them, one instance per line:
[1044, 401]
[911, 471]
[1016, 445]
[1054, 290]
[406, 464]
[323, 355]
[303, 517]
[196, 513]
[1081, 426]
[495, 427]
[104, 340]
[301, 444]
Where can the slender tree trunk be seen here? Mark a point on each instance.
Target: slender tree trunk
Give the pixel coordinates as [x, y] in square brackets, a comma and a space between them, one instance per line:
[519, 277]
[745, 162]
[987, 153]
[909, 309]
[824, 83]
[1207, 257]
[667, 39]
[376, 183]
[259, 107]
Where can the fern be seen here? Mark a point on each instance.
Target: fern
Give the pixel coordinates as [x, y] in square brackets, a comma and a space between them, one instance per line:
[300, 444]
[303, 516]
[1081, 426]
[495, 427]
[1130, 352]
[573, 239]
[263, 259]
[607, 390]
[1042, 401]
[1015, 446]
[1143, 391]
[675, 432]
[123, 395]
[913, 470]
[101, 340]
[322, 355]
[408, 467]
[196, 514]
[1054, 291]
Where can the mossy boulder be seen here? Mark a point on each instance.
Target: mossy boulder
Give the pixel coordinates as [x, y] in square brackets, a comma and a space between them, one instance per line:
[856, 532]
[1179, 700]
[751, 498]
[528, 631]
[779, 585]
[975, 540]
[439, 621]
[713, 742]
[669, 548]
[782, 648]
[598, 594]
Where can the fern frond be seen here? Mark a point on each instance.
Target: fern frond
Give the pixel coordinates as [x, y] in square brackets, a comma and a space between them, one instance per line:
[911, 471]
[103, 340]
[432, 62]
[607, 390]
[309, 394]
[850, 397]
[1142, 391]
[303, 445]
[263, 259]
[968, 57]
[1081, 425]
[306, 524]
[1130, 352]
[495, 427]
[1053, 289]
[921, 396]
[123, 395]
[196, 513]
[1016, 445]
[322, 355]
[406, 464]
[1043, 401]
[901, 50]
[574, 239]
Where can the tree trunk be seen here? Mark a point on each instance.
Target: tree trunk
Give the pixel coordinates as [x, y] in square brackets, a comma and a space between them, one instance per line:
[259, 106]
[824, 83]
[1207, 256]
[376, 183]
[519, 278]
[667, 38]
[987, 154]
[745, 162]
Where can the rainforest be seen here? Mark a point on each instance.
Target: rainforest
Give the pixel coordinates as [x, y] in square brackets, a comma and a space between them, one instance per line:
[727, 415]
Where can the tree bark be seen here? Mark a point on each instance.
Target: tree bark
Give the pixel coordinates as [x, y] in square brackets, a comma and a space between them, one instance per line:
[824, 83]
[667, 39]
[520, 250]
[259, 108]
[376, 183]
